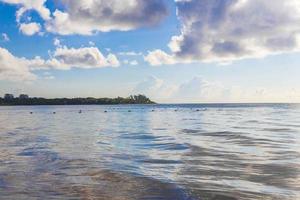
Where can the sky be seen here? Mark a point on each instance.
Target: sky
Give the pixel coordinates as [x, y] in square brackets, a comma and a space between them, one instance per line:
[174, 51]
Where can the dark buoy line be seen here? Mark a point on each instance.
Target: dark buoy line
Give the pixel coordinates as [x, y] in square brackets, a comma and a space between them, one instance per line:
[153, 110]
[105, 111]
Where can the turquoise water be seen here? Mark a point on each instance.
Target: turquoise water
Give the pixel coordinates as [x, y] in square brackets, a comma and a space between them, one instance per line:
[165, 152]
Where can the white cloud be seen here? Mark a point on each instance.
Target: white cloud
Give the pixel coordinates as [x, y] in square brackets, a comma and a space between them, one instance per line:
[57, 42]
[5, 37]
[63, 58]
[13, 68]
[159, 57]
[155, 88]
[194, 90]
[134, 62]
[228, 30]
[85, 17]
[30, 28]
[199, 90]
[26, 5]
[91, 43]
[130, 53]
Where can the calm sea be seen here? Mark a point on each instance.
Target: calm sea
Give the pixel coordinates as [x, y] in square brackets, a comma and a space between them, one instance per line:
[153, 152]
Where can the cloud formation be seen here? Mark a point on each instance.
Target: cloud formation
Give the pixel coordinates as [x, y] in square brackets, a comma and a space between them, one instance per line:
[85, 58]
[199, 90]
[30, 28]
[63, 58]
[159, 57]
[13, 68]
[130, 62]
[5, 37]
[155, 88]
[228, 30]
[26, 5]
[195, 90]
[86, 17]
[130, 53]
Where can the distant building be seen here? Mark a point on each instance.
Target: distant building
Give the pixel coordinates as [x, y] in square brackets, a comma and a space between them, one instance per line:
[23, 96]
[8, 96]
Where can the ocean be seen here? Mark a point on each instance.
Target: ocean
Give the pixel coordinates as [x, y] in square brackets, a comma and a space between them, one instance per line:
[151, 152]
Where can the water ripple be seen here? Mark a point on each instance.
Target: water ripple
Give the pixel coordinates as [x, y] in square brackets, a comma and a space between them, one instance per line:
[200, 152]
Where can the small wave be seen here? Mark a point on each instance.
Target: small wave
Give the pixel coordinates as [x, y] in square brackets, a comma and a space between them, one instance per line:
[162, 161]
[163, 146]
[278, 129]
[192, 131]
[140, 136]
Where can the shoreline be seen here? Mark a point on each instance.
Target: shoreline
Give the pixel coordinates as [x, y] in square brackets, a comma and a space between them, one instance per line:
[25, 100]
[163, 104]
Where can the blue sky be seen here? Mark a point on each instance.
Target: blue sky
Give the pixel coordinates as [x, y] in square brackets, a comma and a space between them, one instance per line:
[207, 51]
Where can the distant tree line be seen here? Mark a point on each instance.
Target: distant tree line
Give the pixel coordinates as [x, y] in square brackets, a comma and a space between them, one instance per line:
[24, 99]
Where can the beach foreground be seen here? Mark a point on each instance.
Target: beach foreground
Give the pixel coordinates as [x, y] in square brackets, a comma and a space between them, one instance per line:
[213, 152]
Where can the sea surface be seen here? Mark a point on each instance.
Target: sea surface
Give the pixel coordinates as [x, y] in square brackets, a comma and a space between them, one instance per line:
[151, 152]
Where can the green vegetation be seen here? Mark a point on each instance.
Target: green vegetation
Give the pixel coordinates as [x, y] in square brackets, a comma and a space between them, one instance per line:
[9, 100]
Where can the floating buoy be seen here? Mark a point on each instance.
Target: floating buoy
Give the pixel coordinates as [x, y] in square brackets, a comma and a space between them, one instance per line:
[105, 111]
[80, 111]
[129, 110]
[31, 112]
[54, 112]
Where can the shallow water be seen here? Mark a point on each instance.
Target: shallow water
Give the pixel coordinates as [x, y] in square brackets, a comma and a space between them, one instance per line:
[165, 152]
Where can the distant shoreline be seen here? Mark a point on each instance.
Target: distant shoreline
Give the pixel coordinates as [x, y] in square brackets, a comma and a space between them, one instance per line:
[15, 105]
[133, 99]
[206, 105]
